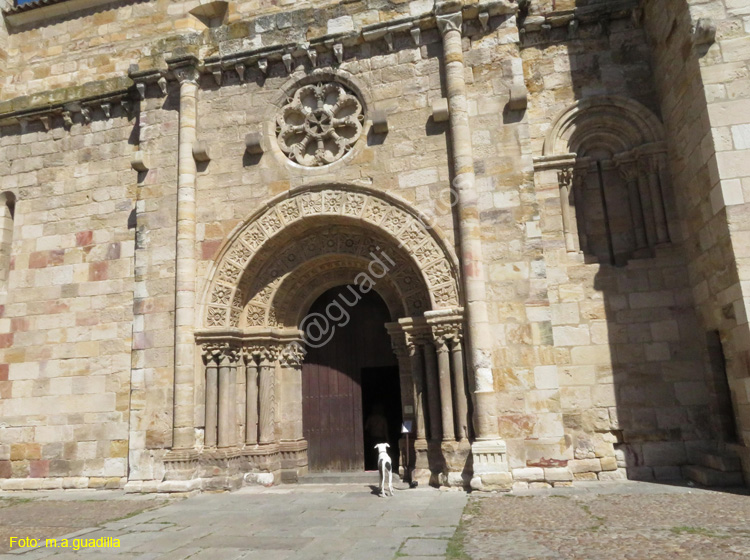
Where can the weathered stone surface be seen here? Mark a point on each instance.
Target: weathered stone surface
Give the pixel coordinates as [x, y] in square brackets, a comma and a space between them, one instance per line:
[586, 285]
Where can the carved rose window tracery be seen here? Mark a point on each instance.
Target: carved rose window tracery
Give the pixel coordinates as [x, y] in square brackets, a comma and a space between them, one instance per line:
[320, 124]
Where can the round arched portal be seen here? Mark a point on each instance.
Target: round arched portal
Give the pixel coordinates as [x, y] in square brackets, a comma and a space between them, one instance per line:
[257, 328]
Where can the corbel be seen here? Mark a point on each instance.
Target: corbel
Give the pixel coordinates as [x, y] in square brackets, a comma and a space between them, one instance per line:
[216, 72]
[484, 18]
[253, 143]
[240, 69]
[389, 41]
[380, 121]
[416, 35]
[263, 66]
[288, 61]
[45, 122]
[440, 110]
[141, 87]
[107, 109]
[201, 152]
[138, 162]
[338, 52]
[518, 98]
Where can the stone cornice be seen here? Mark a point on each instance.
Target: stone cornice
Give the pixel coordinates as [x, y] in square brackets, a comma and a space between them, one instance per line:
[562, 25]
[41, 10]
[67, 102]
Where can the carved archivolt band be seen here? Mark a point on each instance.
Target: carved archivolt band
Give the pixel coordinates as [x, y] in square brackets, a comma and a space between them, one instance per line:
[401, 230]
[320, 124]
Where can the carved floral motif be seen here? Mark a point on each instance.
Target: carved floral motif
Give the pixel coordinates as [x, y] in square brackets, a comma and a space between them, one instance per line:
[320, 124]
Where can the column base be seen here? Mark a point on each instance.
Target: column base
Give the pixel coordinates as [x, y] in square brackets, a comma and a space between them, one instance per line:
[293, 460]
[490, 466]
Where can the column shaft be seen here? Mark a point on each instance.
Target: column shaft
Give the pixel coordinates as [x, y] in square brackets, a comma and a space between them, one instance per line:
[469, 227]
[459, 380]
[433, 392]
[251, 402]
[184, 320]
[417, 372]
[446, 394]
[227, 408]
[267, 401]
[570, 244]
[212, 404]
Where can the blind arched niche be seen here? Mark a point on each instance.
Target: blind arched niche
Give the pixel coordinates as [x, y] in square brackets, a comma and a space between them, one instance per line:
[610, 157]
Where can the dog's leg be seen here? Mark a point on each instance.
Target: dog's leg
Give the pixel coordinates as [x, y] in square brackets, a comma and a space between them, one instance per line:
[382, 468]
[390, 477]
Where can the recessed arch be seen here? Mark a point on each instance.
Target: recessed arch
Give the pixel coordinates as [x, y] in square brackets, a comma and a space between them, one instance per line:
[614, 181]
[624, 122]
[335, 222]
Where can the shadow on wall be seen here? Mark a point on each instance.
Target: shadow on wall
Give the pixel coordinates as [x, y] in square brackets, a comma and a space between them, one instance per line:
[643, 387]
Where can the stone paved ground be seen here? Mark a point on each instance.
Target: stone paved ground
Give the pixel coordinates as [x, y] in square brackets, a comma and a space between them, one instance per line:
[619, 521]
[52, 514]
[302, 522]
[616, 521]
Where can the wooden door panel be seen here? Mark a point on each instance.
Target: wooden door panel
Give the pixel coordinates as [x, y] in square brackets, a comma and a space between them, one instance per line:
[331, 385]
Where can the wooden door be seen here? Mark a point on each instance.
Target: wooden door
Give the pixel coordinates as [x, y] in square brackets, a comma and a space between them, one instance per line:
[332, 385]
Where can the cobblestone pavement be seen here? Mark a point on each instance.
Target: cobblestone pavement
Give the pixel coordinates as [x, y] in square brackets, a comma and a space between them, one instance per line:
[301, 522]
[619, 521]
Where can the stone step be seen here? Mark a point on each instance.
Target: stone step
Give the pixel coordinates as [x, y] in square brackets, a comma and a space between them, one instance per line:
[358, 477]
[724, 462]
[711, 477]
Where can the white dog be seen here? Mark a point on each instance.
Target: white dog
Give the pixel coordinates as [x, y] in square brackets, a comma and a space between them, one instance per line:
[384, 465]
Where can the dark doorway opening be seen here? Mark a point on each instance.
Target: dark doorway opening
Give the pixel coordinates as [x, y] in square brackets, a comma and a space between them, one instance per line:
[345, 377]
[381, 404]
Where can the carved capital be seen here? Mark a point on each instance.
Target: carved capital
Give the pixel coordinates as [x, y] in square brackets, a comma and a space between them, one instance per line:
[230, 355]
[211, 352]
[628, 170]
[449, 22]
[269, 354]
[444, 334]
[565, 177]
[185, 70]
[292, 354]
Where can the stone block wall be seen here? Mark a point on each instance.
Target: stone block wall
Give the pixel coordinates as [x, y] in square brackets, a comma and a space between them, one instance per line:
[703, 75]
[600, 372]
[66, 310]
[152, 374]
[629, 352]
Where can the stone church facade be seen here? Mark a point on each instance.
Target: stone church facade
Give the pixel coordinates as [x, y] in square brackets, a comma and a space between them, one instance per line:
[546, 205]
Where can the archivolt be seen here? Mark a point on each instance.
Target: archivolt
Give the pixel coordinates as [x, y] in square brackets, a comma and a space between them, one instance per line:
[612, 122]
[341, 226]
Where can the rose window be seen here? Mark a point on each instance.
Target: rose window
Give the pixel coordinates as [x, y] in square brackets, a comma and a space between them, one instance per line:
[320, 124]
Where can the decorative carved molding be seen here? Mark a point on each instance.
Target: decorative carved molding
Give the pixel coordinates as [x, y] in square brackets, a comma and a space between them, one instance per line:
[184, 70]
[292, 354]
[320, 124]
[427, 266]
[449, 22]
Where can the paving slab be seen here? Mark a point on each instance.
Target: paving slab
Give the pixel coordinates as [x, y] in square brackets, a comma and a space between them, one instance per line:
[304, 522]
